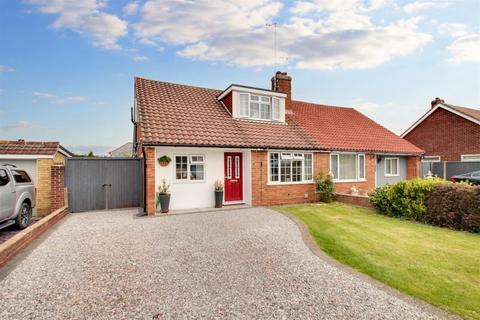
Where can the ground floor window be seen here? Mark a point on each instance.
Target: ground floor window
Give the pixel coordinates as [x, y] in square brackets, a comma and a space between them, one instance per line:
[190, 167]
[431, 159]
[391, 167]
[347, 166]
[288, 167]
[471, 157]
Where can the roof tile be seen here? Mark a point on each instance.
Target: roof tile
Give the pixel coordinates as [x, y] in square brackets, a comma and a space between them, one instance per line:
[28, 147]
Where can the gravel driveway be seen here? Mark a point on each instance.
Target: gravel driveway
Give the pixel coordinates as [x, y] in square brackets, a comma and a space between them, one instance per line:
[245, 264]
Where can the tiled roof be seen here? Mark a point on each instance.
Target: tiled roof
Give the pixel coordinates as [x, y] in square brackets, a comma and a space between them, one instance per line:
[173, 114]
[473, 113]
[338, 128]
[22, 147]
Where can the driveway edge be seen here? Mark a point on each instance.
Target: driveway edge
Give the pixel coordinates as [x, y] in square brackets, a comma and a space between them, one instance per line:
[316, 250]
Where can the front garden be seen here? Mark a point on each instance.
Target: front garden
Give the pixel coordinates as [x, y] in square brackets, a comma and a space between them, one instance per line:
[438, 265]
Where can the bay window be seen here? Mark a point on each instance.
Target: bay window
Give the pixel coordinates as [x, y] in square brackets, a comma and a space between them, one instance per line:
[347, 166]
[190, 168]
[288, 167]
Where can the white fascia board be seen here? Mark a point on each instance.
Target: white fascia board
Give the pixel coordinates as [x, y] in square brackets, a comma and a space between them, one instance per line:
[26, 156]
[252, 90]
[432, 110]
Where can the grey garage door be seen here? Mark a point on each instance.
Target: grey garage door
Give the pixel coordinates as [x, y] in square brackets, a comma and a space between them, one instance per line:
[103, 183]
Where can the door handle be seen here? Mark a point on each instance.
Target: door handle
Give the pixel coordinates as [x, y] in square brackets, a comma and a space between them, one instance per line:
[14, 191]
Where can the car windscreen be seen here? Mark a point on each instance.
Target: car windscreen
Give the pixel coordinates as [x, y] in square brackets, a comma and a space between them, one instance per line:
[4, 178]
[21, 176]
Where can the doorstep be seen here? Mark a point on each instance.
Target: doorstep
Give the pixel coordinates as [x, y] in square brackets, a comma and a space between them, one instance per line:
[199, 210]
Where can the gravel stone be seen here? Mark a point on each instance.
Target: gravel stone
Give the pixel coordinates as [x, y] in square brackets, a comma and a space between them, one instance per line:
[238, 264]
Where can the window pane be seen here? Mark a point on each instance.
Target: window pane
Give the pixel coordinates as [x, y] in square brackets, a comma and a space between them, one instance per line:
[285, 170]
[254, 98]
[347, 167]
[265, 99]
[196, 172]
[308, 166]
[196, 159]
[229, 167]
[361, 166]
[254, 110]
[395, 166]
[296, 170]
[181, 167]
[3, 178]
[334, 165]
[237, 167]
[20, 176]
[276, 109]
[265, 111]
[273, 167]
[243, 105]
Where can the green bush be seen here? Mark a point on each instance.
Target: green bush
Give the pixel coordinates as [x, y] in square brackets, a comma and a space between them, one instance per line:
[455, 206]
[405, 198]
[325, 187]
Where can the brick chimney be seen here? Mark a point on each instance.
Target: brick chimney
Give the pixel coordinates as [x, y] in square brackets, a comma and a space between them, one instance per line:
[436, 101]
[281, 82]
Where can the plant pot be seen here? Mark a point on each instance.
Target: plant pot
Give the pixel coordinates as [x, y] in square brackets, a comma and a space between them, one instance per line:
[163, 163]
[164, 202]
[218, 199]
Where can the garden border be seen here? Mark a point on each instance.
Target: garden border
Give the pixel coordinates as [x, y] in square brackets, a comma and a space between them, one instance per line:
[15, 244]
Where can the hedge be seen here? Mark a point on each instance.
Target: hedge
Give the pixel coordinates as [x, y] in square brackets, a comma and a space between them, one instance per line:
[455, 206]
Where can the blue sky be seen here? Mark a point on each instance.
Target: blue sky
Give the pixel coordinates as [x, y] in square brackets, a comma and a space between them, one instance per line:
[67, 67]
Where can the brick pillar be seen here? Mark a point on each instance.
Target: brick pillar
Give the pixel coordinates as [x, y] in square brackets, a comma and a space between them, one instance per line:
[150, 180]
[57, 186]
[413, 167]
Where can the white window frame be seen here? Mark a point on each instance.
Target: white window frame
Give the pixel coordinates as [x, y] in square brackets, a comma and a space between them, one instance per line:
[430, 159]
[189, 163]
[357, 166]
[289, 155]
[271, 100]
[470, 155]
[398, 167]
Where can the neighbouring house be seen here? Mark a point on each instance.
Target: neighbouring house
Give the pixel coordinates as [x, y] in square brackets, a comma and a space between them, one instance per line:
[37, 159]
[265, 147]
[447, 133]
[124, 151]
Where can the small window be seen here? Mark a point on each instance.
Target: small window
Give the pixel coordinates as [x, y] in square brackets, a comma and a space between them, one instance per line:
[276, 109]
[361, 166]
[197, 168]
[21, 176]
[243, 112]
[4, 180]
[470, 157]
[285, 156]
[190, 168]
[391, 167]
[196, 159]
[181, 167]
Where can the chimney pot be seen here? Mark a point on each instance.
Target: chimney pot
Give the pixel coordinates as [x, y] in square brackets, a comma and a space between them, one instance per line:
[436, 101]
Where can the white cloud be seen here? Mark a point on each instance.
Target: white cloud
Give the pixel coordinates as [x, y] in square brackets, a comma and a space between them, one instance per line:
[305, 7]
[130, 8]
[20, 125]
[55, 99]
[419, 5]
[140, 58]
[465, 48]
[5, 69]
[87, 18]
[453, 29]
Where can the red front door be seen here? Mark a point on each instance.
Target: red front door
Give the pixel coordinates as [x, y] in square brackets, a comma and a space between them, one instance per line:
[233, 176]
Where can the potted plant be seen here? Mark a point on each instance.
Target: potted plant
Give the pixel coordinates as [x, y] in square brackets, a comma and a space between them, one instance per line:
[163, 196]
[164, 160]
[218, 194]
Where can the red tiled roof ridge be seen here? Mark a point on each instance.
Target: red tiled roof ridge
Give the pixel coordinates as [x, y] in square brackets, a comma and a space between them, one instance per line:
[177, 84]
[320, 104]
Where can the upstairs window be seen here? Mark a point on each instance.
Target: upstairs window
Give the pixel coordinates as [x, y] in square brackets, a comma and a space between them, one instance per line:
[259, 107]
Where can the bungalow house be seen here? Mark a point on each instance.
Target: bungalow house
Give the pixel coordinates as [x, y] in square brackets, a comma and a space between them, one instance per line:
[265, 147]
[37, 159]
[447, 133]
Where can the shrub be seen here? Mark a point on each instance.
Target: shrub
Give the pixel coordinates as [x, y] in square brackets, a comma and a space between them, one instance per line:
[325, 187]
[404, 198]
[455, 206]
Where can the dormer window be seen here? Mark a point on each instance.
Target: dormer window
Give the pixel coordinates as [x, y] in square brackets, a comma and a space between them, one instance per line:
[253, 103]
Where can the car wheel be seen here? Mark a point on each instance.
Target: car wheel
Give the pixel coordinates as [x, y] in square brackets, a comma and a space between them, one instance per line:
[24, 216]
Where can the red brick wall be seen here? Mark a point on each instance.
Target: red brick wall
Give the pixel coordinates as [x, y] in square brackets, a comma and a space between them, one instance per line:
[413, 167]
[447, 135]
[227, 101]
[150, 180]
[355, 200]
[57, 186]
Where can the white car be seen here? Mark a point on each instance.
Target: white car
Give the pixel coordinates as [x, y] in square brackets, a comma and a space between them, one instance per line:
[17, 197]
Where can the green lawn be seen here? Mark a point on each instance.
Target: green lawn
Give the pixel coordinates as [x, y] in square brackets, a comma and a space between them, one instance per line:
[437, 265]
